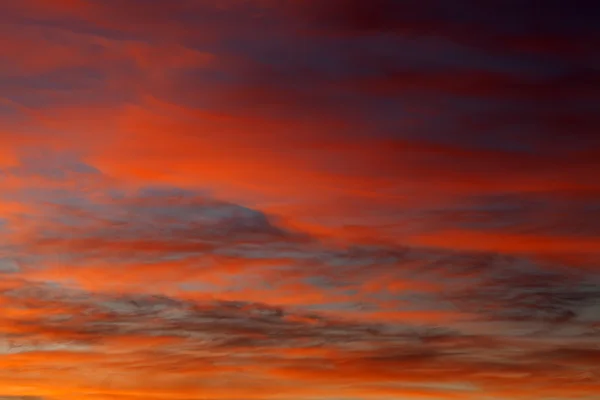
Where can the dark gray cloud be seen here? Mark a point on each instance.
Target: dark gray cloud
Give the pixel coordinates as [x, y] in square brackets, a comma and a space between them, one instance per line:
[525, 80]
[456, 21]
[57, 166]
[219, 333]
[9, 266]
[531, 296]
[217, 324]
[160, 222]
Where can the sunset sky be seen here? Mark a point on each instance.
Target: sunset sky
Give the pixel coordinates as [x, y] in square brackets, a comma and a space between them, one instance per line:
[299, 200]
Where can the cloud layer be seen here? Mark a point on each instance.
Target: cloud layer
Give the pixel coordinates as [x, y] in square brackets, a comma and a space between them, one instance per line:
[330, 199]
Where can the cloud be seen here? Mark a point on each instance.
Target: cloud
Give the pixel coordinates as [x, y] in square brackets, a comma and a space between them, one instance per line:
[20, 398]
[457, 22]
[298, 200]
[553, 298]
[193, 337]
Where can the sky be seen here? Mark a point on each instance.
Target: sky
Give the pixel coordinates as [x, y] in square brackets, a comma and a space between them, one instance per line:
[299, 200]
